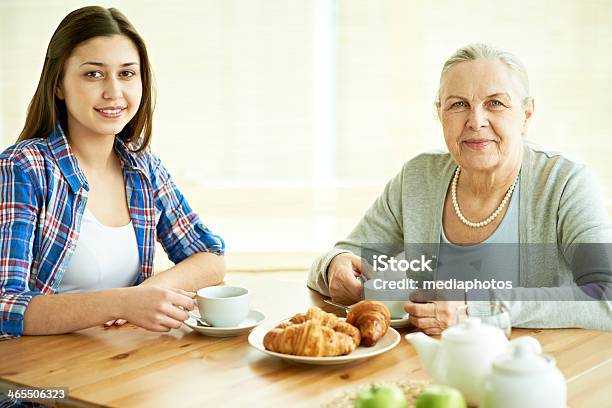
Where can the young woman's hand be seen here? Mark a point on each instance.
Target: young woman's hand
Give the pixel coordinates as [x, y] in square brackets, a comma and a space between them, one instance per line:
[156, 308]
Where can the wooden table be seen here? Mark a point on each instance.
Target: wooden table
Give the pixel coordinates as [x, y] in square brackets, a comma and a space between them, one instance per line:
[129, 366]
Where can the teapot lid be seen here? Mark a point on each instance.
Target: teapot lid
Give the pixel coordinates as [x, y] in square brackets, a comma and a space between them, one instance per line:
[525, 356]
[471, 330]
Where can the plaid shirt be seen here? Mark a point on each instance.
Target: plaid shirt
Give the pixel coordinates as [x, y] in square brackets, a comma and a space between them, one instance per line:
[43, 194]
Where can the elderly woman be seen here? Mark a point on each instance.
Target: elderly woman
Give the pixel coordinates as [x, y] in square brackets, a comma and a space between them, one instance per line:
[490, 187]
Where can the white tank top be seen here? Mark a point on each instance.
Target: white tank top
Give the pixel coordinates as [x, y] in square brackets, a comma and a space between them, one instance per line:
[105, 257]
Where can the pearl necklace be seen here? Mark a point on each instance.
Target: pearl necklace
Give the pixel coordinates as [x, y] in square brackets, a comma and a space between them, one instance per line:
[491, 217]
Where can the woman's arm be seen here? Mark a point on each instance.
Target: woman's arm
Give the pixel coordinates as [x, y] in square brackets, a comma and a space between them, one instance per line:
[584, 240]
[151, 307]
[20, 198]
[57, 314]
[195, 272]
[195, 250]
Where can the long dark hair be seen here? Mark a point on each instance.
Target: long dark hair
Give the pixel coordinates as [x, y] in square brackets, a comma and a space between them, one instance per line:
[46, 109]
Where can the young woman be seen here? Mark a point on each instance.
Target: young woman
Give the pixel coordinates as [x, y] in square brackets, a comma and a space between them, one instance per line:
[82, 199]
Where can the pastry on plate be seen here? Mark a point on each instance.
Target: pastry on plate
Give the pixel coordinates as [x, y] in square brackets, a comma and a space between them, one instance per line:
[372, 318]
[313, 334]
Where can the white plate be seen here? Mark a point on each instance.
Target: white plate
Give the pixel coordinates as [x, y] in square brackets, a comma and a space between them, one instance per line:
[400, 323]
[389, 340]
[253, 319]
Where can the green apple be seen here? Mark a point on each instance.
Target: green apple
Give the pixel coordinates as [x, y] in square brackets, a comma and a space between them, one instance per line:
[440, 396]
[383, 396]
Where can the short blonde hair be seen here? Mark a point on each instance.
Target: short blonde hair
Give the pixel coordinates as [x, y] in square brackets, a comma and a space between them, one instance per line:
[476, 51]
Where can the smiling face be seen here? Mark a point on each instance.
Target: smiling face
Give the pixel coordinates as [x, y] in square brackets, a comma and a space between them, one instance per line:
[101, 86]
[482, 115]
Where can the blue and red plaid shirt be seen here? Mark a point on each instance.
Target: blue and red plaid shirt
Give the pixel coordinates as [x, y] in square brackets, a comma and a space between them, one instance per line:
[43, 194]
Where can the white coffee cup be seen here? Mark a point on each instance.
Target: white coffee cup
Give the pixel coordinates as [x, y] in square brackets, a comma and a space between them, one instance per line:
[394, 299]
[223, 306]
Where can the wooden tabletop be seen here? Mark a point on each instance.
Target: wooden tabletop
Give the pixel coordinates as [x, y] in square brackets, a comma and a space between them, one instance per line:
[128, 366]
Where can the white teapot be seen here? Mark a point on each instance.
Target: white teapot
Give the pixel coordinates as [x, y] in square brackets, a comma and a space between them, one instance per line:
[524, 378]
[463, 357]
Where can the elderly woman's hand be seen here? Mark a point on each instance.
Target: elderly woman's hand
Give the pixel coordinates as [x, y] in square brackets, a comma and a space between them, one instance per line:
[343, 277]
[436, 316]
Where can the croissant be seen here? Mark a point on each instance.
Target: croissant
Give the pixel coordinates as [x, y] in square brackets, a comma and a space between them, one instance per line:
[311, 339]
[325, 335]
[349, 330]
[372, 318]
[326, 319]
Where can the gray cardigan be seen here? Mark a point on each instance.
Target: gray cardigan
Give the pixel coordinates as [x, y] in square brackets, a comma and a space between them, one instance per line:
[560, 203]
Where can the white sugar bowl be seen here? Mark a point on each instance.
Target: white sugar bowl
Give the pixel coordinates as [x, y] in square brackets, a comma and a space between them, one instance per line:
[524, 377]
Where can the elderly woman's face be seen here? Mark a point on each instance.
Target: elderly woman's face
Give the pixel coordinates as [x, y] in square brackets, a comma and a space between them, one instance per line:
[482, 114]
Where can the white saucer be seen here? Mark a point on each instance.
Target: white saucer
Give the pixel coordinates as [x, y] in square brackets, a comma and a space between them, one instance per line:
[254, 318]
[386, 343]
[400, 323]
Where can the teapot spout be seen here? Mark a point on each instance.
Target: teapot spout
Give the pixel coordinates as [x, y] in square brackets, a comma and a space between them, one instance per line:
[427, 349]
